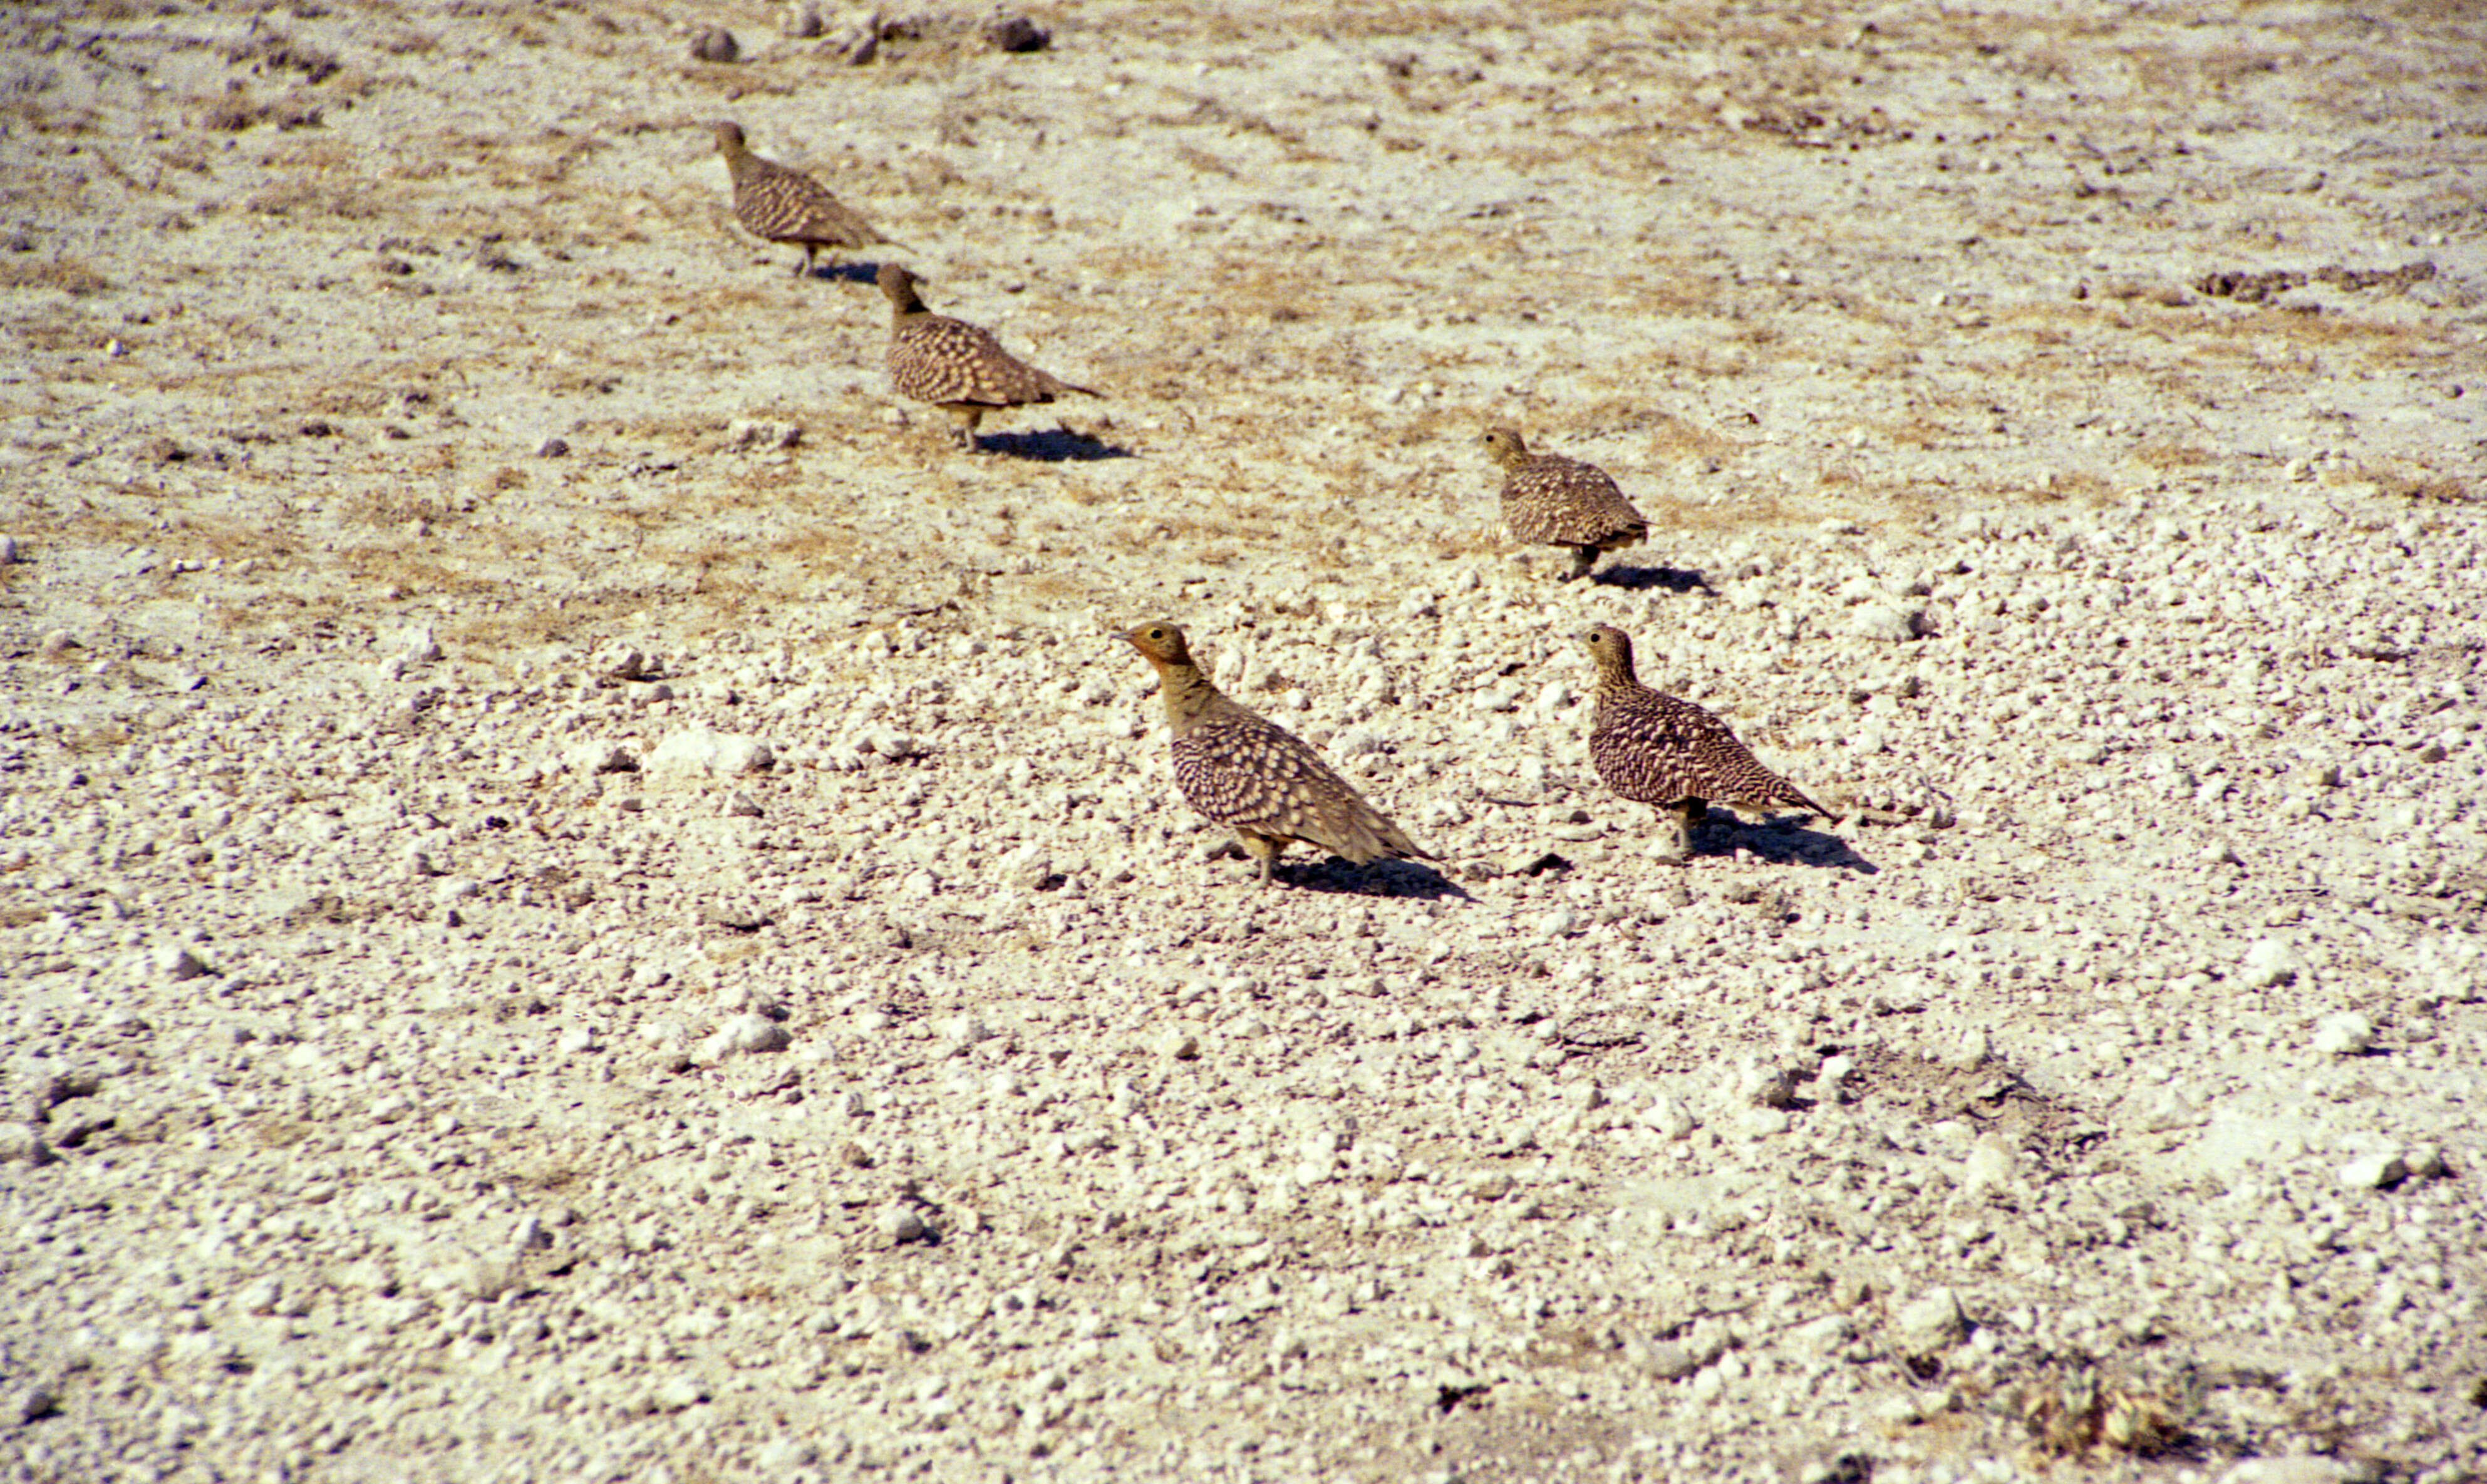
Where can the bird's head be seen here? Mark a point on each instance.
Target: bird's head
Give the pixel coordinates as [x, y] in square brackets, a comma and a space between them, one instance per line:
[899, 286]
[1611, 648]
[1160, 641]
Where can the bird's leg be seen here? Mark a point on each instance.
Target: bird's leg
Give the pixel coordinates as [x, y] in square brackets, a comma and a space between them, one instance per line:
[1266, 851]
[967, 430]
[1583, 559]
[1677, 820]
[803, 269]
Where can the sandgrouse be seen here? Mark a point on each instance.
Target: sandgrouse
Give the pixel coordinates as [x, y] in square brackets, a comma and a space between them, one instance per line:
[1554, 501]
[957, 366]
[1671, 753]
[1255, 777]
[789, 207]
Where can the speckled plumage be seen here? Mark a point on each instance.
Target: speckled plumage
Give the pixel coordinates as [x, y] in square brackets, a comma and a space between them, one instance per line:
[785, 206]
[1255, 777]
[957, 366]
[1551, 500]
[1661, 750]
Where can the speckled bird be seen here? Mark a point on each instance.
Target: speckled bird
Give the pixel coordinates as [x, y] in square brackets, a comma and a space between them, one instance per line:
[1671, 753]
[787, 207]
[956, 366]
[1551, 500]
[1255, 777]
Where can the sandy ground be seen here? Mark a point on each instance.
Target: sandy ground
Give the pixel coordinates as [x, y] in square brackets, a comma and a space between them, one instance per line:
[582, 897]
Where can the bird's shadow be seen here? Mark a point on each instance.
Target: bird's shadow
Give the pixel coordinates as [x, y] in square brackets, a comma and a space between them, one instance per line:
[1333, 876]
[1054, 445]
[1672, 579]
[865, 273]
[1781, 845]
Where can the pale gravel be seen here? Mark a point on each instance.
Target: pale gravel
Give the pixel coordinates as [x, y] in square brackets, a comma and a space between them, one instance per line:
[683, 959]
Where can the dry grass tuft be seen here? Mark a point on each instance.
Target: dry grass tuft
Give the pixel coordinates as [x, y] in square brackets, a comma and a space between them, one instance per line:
[2079, 1410]
[236, 112]
[816, 549]
[68, 275]
[105, 737]
[1056, 586]
[314, 198]
[2425, 486]
[271, 50]
[2170, 453]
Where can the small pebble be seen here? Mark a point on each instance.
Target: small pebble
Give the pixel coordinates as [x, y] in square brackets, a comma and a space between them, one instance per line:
[2344, 1033]
[177, 963]
[1016, 33]
[702, 753]
[2269, 962]
[1888, 623]
[1988, 1168]
[1764, 1084]
[1930, 1324]
[1669, 1117]
[752, 1033]
[19, 1144]
[590, 758]
[2373, 1172]
[30, 1404]
[1670, 1361]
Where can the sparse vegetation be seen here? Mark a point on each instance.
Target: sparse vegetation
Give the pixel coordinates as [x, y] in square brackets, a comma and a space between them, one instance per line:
[2053, 449]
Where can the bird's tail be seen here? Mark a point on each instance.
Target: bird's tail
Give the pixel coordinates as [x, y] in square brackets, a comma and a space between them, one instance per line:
[1789, 795]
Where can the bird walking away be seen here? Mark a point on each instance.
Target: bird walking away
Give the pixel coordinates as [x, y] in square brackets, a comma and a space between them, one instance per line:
[956, 366]
[787, 207]
[1255, 777]
[1661, 750]
[1551, 500]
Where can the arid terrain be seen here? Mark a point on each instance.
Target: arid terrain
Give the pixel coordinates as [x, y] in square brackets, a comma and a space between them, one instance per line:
[584, 897]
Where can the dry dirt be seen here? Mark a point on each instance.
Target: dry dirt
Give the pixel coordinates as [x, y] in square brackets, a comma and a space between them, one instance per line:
[438, 1042]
